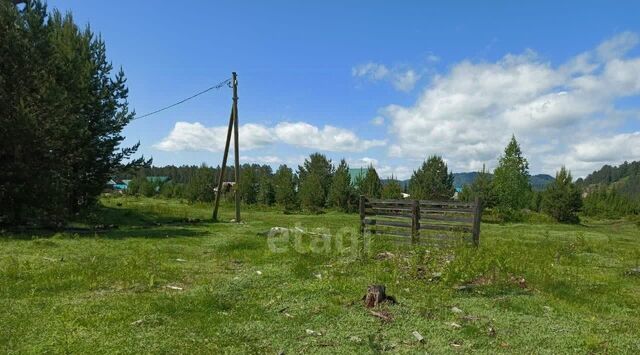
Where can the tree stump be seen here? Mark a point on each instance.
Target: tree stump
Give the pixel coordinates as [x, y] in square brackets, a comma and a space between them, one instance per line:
[376, 294]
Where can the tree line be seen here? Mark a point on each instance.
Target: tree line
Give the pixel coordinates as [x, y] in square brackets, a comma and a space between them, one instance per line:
[318, 184]
[315, 185]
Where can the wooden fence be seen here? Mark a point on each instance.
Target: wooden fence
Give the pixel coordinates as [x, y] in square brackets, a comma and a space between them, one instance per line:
[406, 218]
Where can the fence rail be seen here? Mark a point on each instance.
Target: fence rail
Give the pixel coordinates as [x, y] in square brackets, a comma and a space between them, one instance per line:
[407, 218]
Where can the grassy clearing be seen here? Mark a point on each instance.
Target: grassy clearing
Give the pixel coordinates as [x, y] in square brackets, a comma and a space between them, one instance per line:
[533, 288]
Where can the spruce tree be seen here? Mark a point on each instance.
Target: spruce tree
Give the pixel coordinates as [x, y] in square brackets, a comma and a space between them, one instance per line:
[371, 185]
[432, 181]
[392, 189]
[562, 200]
[511, 179]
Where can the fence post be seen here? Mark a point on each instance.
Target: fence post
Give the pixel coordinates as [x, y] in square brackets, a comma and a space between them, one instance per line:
[362, 214]
[415, 221]
[477, 217]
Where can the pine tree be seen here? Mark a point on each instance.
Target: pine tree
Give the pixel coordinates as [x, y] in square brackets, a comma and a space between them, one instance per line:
[284, 186]
[62, 111]
[511, 179]
[432, 181]
[341, 191]
[392, 189]
[311, 194]
[317, 164]
[371, 185]
[266, 193]
[561, 200]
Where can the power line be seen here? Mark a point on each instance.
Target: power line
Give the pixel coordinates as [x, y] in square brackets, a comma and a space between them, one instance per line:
[217, 86]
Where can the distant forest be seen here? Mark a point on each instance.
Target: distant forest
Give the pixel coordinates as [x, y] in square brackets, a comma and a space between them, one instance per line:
[612, 191]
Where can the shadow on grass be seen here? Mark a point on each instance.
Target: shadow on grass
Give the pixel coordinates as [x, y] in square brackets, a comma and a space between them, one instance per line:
[115, 223]
[146, 233]
[130, 217]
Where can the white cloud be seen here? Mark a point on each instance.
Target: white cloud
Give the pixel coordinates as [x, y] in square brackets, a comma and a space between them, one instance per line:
[433, 58]
[195, 136]
[371, 71]
[329, 138]
[377, 121]
[620, 147]
[405, 81]
[468, 114]
[617, 46]
[401, 79]
[264, 159]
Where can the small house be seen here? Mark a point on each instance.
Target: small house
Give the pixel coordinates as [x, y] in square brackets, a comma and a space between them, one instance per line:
[456, 194]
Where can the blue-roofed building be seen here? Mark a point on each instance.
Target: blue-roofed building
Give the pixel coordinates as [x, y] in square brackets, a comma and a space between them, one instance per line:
[457, 193]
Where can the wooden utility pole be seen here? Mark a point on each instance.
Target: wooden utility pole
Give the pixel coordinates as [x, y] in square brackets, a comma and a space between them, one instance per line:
[223, 167]
[233, 126]
[236, 144]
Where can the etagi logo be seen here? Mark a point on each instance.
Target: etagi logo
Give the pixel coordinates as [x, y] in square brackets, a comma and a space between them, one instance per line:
[346, 240]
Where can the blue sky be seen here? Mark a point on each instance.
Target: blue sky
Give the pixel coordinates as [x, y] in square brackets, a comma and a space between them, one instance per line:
[381, 82]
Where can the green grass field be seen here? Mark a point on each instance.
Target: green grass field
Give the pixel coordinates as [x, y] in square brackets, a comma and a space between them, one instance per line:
[159, 285]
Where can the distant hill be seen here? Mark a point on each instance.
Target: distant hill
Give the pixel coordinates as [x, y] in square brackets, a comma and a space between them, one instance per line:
[624, 178]
[610, 174]
[538, 182]
[461, 179]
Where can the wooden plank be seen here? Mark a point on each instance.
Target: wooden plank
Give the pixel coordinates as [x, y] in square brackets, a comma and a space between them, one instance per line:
[442, 227]
[447, 218]
[379, 206]
[477, 217]
[390, 210]
[443, 210]
[415, 221]
[386, 223]
[390, 201]
[388, 215]
[445, 203]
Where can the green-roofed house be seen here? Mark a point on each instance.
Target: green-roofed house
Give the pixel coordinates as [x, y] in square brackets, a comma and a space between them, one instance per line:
[357, 173]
